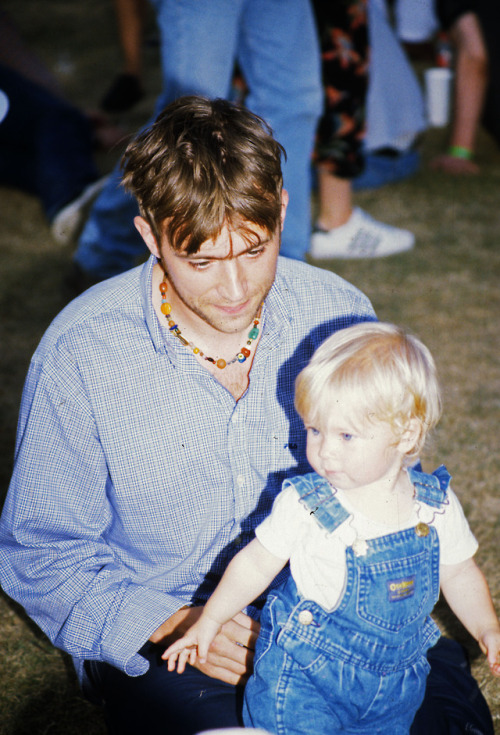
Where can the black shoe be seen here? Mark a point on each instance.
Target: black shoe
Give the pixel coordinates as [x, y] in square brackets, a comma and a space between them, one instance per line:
[125, 92]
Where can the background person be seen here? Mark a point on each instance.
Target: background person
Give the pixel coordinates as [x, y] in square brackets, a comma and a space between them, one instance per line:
[363, 132]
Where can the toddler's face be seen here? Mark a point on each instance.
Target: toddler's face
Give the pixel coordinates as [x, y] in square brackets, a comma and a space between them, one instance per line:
[349, 452]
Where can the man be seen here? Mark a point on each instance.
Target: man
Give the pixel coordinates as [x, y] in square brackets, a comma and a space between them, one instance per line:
[157, 422]
[275, 45]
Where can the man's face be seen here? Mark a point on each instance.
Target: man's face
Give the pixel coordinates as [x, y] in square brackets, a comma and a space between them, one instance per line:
[223, 284]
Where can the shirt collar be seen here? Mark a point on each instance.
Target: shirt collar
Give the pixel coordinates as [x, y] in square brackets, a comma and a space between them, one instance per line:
[152, 323]
[277, 309]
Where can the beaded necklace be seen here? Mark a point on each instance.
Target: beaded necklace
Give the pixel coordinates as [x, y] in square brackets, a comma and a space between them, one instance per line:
[240, 356]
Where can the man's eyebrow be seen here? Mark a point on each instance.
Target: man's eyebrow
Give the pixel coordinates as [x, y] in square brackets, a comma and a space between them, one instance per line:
[199, 256]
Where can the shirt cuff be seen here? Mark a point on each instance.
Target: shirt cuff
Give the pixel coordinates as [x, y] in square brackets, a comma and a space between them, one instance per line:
[144, 611]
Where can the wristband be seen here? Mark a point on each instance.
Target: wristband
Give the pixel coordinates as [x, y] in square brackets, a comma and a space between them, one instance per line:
[460, 151]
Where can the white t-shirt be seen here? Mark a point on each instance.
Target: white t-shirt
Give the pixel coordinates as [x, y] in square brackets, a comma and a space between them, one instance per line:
[317, 558]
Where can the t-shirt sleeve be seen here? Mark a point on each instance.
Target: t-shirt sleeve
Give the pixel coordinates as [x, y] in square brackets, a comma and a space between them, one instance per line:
[457, 542]
[279, 531]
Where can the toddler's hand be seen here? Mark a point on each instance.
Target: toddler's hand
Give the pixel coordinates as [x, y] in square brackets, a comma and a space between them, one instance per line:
[193, 645]
[490, 645]
[180, 653]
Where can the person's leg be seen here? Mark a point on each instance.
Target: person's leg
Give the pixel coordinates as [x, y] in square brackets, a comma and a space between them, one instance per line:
[162, 702]
[126, 89]
[453, 703]
[198, 46]
[471, 79]
[279, 56]
[198, 42]
[335, 200]
[345, 55]
[488, 12]
[130, 16]
[343, 231]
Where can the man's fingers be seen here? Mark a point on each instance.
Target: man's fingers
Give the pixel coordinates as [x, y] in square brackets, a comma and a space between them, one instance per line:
[228, 675]
[243, 630]
[193, 655]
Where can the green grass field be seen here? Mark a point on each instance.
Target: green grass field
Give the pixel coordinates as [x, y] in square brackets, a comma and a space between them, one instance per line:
[446, 291]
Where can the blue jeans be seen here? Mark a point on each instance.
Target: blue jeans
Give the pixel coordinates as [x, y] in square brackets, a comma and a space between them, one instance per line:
[162, 702]
[45, 144]
[275, 44]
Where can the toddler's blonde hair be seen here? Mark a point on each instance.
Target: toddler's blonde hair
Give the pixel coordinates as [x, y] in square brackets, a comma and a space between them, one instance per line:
[388, 374]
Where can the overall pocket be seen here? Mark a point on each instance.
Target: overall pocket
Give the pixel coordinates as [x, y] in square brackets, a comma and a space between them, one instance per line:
[392, 595]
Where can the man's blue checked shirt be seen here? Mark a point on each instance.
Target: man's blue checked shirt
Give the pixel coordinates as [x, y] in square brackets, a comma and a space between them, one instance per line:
[137, 475]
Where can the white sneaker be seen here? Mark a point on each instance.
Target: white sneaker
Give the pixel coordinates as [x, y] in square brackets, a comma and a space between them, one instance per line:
[68, 222]
[360, 237]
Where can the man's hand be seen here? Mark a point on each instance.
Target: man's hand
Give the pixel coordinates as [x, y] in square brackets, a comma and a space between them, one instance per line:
[230, 657]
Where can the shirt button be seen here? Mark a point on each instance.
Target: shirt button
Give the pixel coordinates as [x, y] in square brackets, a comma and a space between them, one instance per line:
[305, 617]
[240, 480]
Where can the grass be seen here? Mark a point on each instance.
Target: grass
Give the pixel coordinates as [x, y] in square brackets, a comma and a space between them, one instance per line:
[446, 290]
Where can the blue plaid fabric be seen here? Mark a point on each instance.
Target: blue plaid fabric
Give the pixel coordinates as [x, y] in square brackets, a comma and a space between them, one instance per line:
[137, 476]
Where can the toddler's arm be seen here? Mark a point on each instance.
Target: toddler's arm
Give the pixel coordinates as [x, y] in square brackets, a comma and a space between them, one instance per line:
[250, 572]
[466, 591]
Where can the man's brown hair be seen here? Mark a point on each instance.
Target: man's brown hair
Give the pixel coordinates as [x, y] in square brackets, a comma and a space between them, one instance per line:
[204, 164]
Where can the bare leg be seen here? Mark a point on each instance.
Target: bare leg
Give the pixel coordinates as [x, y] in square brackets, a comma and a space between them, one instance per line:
[471, 78]
[130, 16]
[126, 89]
[335, 200]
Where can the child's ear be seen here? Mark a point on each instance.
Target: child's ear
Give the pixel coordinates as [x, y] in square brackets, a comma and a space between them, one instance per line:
[410, 436]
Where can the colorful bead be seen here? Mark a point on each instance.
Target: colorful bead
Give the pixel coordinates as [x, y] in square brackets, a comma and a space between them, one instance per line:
[241, 356]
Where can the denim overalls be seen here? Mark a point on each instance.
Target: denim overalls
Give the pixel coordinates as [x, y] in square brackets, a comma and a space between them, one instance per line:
[362, 666]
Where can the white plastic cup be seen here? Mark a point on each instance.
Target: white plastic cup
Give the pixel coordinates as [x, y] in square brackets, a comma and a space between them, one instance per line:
[438, 96]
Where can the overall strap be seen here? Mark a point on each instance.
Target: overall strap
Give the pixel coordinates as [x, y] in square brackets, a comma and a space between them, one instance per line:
[319, 498]
[430, 489]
